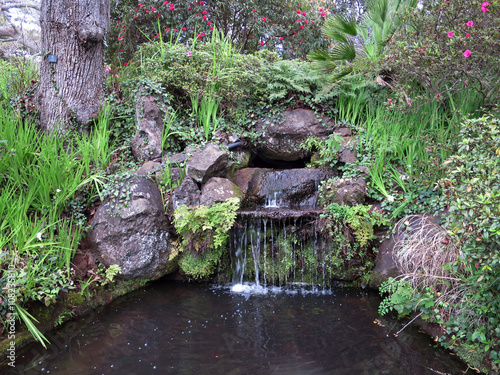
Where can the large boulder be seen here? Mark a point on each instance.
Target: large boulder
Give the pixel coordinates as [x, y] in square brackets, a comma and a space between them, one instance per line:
[130, 230]
[219, 189]
[281, 188]
[283, 141]
[207, 163]
[146, 143]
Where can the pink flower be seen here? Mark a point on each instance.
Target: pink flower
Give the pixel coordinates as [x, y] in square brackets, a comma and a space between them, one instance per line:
[209, 23]
[484, 8]
[261, 43]
[467, 53]
[184, 29]
[263, 18]
[470, 23]
[205, 18]
[172, 7]
[124, 64]
[323, 14]
[190, 8]
[320, 9]
[147, 11]
[251, 36]
[255, 10]
[165, 2]
[204, 12]
[281, 38]
[301, 27]
[107, 69]
[306, 21]
[140, 5]
[303, 13]
[299, 11]
[153, 9]
[189, 53]
[450, 35]
[467, 35]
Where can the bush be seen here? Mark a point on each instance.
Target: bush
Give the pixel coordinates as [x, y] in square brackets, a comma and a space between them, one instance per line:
[192, 71]
[448, 47]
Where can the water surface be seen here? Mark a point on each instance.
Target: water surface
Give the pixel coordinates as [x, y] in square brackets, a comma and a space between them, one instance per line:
[185, 328]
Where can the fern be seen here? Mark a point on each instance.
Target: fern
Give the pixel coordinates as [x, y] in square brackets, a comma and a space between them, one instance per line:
[289, 77]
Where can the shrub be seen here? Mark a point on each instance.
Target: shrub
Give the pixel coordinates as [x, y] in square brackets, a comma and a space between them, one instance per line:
[448, 47]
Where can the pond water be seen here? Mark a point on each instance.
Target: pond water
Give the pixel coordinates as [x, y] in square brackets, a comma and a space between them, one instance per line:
[188, 328]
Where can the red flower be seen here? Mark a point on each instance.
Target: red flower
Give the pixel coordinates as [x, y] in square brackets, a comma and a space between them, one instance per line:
[204, 17]
[251, 36]
[209, 23]
[301, 27]
[183, 29]
[121, 50]
[204, 12]
[261, 43]
[124, 64]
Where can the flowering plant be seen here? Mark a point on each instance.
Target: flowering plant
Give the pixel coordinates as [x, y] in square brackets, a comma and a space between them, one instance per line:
[449, 48]
[253, 25]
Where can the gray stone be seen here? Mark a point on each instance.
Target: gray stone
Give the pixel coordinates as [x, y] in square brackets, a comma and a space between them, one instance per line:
[283, 141]
[281, 188]
[343, 191]
[187, 193]
[146, 143]
[131, 231]
[348, 156]
[149, 167]
[210, 162]
[219, 189]
[385, 266]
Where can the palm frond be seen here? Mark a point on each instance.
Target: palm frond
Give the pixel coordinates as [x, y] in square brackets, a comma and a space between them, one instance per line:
[340, 24]
[343, 51]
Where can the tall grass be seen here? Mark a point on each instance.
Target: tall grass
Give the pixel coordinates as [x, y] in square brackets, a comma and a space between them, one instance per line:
[407, 145]
[38, 176]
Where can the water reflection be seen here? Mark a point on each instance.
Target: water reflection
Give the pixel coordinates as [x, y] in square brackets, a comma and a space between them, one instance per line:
[180, 328]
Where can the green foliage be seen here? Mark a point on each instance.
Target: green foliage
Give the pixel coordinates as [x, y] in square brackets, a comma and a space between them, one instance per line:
[204, 232]
[285, 79]
[44, 182]
[472, 189]
[328, 149]
[193, 71]
[404, 299]
[382, 19]
[252, 25]
[359, 218]
[424, 58]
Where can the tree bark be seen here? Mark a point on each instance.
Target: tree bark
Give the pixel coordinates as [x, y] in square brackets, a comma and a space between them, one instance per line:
[71, 89]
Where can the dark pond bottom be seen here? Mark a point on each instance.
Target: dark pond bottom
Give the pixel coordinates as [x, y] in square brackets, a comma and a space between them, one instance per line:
[181, 328]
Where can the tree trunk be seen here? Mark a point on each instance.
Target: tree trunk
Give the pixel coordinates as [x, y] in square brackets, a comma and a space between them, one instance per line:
[71, 89]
